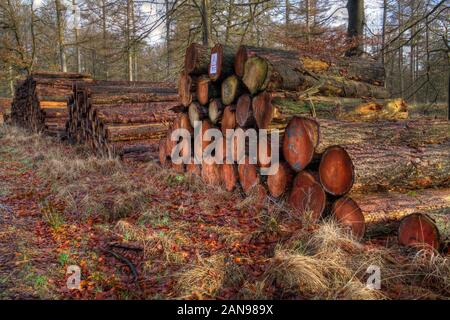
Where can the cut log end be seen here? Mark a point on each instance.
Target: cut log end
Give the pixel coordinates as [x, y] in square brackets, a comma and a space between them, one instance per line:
[196, 59]
[185, 83]
[348, 214]
[418, 230]
[336, 171]
[298, 149]
[255, 73]
[215, 111]
[244, 112]
[230, 90]
[239, 61]
[263, 110]
[230, 176]
[196, 113]
[228, 119]
[248, 176]
[278, 183]
[307, 197]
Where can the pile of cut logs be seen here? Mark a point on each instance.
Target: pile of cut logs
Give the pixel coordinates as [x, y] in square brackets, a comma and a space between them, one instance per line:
[40, 101]
[322, 160]
[120, 118]
[5, 110]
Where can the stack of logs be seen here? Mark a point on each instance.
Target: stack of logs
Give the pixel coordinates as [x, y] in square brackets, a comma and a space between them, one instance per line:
[40, 101]
[120, 118]
[322, 160]
[5, 110]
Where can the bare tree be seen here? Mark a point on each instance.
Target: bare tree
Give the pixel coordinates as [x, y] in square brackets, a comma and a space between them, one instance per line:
[60, 34]
[355, 28]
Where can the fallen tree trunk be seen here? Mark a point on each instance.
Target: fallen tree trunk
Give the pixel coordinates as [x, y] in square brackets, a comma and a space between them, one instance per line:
[361, 69]
[388, 205]
[379, 167]
[277, 73]
[413, 133]
[274, 110]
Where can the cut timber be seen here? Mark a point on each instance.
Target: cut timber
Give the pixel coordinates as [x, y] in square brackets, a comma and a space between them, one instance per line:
[385, 167]
[298, 149]
[221, 62]
[244, 112]
[336, 171]
[248, 175]
[206, 90]
[278, 73]
[231, 89]
[215, 111]
[389, 205]
[196, 113]
[201, 141]
[230, 176]
[307, 197]
[196, 59]
[278, 183]
[361, 69]
[228, 119]
[277, 108]
[347, 212]
[413, 133]
[211, 172]
[418, 230]
[186, 89]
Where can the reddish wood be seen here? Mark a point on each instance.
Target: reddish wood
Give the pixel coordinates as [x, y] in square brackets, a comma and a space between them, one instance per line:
[336, 171]
[230, 176]
[206, 90]
[228, 119]
[298, 149]
[347, 212]
[307, 197]
[244, 111]
[224, 65]
[418, 230]
[279, 182]
[248, 175]
[196, 59]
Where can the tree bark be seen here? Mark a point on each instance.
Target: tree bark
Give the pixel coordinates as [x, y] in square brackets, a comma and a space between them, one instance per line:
[355, 30]
[379, 167]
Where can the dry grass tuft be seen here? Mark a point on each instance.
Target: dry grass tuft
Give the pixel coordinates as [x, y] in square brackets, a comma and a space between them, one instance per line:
[203, 280]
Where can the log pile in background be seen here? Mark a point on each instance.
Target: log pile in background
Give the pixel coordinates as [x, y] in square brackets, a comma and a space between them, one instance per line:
[322, 160]
[40, 101]
[120, 118]
[5, 110]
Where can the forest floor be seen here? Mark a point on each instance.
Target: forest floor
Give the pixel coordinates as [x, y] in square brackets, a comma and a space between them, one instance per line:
[139, 231]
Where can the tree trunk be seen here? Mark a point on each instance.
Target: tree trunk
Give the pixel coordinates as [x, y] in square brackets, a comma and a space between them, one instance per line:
[379, 167]
[412, 133]
[206, 22]
[355, 30]
[389, 205]
[60, 33]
